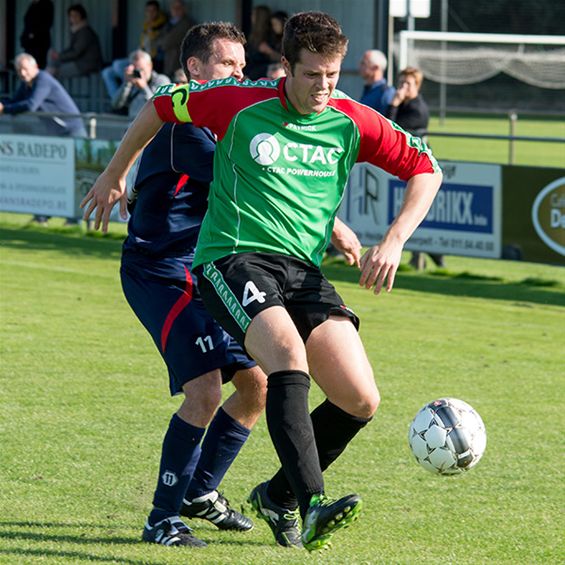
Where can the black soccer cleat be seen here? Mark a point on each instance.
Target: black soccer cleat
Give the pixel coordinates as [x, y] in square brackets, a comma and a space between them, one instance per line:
[215, 508]
[282, 521]
[325, 516]
[172, 532]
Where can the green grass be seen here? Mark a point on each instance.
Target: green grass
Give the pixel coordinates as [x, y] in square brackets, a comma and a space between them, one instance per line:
[84, 405]
[494, 151]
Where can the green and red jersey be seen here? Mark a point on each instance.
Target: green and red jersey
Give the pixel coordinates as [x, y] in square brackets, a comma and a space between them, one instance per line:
[279, 176]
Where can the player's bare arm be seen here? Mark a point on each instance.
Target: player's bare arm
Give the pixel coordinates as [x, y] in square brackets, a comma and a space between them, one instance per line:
[345, 240]
[110, 186]
[380, 262]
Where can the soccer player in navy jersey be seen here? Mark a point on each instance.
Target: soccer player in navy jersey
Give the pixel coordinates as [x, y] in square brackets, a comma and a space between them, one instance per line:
[167, 205]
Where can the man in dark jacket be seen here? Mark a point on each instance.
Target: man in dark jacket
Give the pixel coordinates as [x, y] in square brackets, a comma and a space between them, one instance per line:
[36, 35]
[84, 55]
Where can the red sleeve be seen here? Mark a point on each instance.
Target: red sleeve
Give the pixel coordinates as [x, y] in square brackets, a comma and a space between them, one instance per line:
[213, 104]
[385, 144]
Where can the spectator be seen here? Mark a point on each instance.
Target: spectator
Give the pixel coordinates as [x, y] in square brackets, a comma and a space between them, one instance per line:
[260, 49]
[408, 107]
[84, 55]
[36, 35]
[170, 41]
[179, 77]
[155, 20]
[376, 93]
[278, 19]
[140, 82]
[153, 27]
[410, 111]
[275, 70]
[40, 92]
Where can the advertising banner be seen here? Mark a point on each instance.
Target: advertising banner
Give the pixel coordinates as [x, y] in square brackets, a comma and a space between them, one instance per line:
[465, 218]
[92, 156]
[534, 214]
[37, 175]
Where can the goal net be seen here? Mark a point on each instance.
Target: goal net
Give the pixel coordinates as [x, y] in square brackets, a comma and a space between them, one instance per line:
[471, 58]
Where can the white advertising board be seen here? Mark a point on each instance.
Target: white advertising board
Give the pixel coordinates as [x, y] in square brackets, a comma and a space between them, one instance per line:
[465, 218]
[37, 175]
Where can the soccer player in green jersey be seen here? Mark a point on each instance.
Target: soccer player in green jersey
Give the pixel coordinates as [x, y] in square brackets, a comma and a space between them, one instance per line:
[285, 149]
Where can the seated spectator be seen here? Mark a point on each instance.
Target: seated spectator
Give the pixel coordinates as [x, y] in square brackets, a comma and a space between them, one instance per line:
[153, 28]
[260, 49]
[36, 35]
[153, 24]
[278, 19]
[179, 76]
[410, 111]
[376, 93]
[84, 55]
[40, 92]
[275, 70]
[140, 82]
[170, 40]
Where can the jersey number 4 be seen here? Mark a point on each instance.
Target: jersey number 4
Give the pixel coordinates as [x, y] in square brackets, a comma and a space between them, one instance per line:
[251, 293]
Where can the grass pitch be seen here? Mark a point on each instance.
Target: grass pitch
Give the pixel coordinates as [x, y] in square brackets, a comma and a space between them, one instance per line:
[84, 405]
[533, 153]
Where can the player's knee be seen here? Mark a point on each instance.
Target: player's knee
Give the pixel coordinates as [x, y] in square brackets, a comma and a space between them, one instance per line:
[251, 385]
[366, 404]
[202, 397]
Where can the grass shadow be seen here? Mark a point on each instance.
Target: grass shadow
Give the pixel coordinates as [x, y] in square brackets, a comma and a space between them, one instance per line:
[536, 291]
[18, 555]
[72, 538]
[69, 241]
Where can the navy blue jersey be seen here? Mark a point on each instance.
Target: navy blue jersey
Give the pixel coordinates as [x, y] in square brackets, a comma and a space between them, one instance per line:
[170, 194]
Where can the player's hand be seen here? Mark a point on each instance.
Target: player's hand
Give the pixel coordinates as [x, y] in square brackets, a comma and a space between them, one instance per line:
[400, 95]
[379, 265]
[345, 240]
[102, 197]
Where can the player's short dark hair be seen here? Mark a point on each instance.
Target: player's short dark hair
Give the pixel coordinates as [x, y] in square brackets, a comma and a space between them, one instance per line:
[79, 9]
[316, 32]
[199, 39]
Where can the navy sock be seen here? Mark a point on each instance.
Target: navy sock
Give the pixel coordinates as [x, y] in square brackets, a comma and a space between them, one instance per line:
[224, 438]
[290, 427]
[179, 457]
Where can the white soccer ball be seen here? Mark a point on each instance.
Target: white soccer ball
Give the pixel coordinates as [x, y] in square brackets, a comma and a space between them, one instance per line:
[447, 436]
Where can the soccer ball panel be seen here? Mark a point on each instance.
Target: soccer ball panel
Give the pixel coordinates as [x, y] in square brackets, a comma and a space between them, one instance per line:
[435, 436]
[424, 418]
[442, 458]
[419, 446]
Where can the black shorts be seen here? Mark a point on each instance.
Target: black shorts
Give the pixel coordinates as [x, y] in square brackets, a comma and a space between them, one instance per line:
[237, 287]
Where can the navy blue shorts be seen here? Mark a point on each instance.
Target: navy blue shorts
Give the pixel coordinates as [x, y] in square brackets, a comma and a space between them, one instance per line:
[164, 295]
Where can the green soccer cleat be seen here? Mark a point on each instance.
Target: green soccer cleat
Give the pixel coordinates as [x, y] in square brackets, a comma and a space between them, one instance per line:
[325, 516]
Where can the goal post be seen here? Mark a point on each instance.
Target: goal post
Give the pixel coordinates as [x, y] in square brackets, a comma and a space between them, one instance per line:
[450, 58]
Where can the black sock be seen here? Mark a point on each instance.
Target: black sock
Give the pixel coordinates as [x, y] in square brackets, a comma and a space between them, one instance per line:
[333, 429]
[291, 431]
